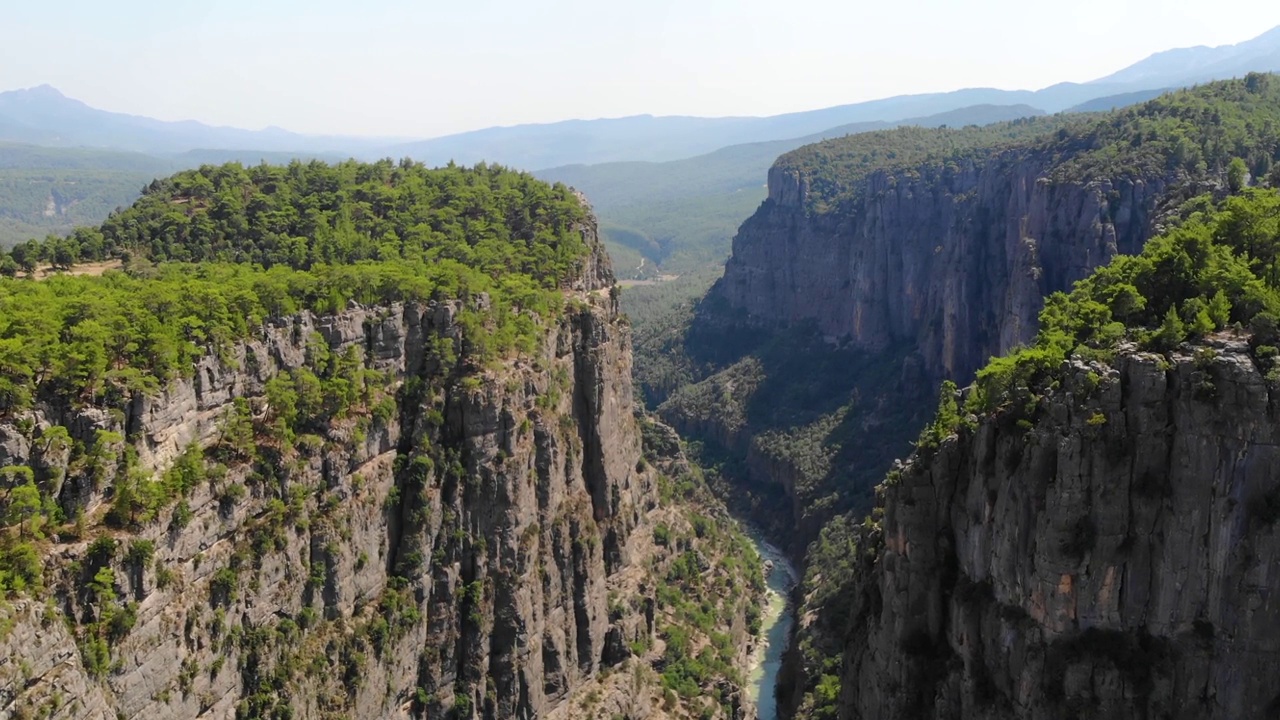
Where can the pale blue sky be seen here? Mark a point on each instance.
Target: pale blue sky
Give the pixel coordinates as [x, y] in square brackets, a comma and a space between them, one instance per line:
[425, 68]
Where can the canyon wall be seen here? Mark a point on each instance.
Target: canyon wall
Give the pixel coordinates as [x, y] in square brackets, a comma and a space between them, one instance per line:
[951, 258]
[1113, 558]
[446, 552]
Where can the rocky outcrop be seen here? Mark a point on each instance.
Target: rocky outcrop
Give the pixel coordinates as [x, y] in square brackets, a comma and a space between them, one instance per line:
[1113, 558]
[656, 638]
[952, 259]
[925, 256]
[42, 662]
[445, 551]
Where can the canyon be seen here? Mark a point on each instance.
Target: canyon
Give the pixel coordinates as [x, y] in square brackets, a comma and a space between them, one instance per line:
[447, 502]
[853, 292]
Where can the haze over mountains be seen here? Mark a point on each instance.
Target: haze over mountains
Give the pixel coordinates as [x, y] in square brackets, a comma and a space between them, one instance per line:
[738, 166]
[670, 191]
[1198, 64]
[43, 116]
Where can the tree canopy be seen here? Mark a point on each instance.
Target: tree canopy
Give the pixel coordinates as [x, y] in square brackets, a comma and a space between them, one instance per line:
[216, 251]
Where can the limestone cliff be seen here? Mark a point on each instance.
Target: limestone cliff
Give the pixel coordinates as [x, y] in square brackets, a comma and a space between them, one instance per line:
[1113, 558]
[952, 259]
[909, 275]
[447, 552]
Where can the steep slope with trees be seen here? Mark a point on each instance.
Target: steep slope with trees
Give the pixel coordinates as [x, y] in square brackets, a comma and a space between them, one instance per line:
[346, 441]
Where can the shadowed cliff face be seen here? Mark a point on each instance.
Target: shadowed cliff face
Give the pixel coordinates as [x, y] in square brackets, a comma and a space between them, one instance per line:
[916, 255]
[453, 554]
[920, 276]
[953, 260]
[1112, 560]
[914, 276]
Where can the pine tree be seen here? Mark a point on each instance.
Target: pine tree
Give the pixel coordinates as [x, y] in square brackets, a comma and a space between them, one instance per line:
[1172, 331]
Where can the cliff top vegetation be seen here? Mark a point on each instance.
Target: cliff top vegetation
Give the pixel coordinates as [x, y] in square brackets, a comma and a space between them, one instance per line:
[1189, 132]
[212, 253]
[1218, 268]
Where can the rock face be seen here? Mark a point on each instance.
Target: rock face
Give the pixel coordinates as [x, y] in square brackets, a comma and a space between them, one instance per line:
[450, 555]
[915, 276]
[1113, 560]
[951, 259]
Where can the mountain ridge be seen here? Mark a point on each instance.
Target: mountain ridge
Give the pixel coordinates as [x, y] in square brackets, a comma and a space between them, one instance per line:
[636, 137]
[1264, 48]
[468, 147]
[72, 123]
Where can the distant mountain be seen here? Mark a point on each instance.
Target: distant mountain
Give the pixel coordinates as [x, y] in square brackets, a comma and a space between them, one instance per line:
[657, 139]
[44, 116]
[16, 156]
[646, 138]
[612, 185]
[1189, 65]
[1114, 102]
[47, 190]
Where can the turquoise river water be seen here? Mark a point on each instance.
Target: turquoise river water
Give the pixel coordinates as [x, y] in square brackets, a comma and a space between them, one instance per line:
[775, 628]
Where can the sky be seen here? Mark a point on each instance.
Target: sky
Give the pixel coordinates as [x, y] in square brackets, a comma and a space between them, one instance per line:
[423, 68]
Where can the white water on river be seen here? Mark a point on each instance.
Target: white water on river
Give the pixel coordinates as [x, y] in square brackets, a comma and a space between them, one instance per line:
[775, 628]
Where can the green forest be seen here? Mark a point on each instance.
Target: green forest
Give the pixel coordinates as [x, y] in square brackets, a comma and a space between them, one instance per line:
[51, 191]
[211, 253]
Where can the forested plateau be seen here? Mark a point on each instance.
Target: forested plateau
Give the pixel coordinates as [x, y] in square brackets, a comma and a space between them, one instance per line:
[351, 440]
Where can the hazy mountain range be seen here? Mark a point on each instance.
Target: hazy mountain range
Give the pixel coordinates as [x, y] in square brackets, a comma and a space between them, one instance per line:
[669, 190]
[1200, 64]
[736, 167]
[43, 116]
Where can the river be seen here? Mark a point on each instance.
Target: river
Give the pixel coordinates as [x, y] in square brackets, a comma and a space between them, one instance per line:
[775, 628]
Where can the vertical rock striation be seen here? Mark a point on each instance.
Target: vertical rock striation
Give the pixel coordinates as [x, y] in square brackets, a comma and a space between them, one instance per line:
[1113, 560]
[449, 555]
[953, 259]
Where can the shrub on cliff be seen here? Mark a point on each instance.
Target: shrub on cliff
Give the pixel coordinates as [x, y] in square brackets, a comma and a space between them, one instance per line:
[1219, 267]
